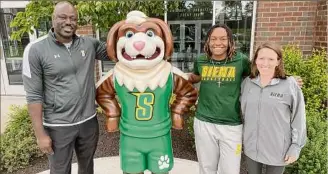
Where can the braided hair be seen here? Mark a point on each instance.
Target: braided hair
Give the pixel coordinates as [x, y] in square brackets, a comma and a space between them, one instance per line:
[231, 43]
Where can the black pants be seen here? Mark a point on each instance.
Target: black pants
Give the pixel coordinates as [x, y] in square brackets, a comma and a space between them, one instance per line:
[83, 138]
[254, 167]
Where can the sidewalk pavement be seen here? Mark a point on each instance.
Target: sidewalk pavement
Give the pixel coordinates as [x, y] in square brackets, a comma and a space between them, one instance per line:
[6, 101]
[111, 165]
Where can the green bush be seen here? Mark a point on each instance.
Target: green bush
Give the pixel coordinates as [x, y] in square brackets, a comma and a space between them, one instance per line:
[18, 143]
[313, 70]
[313, 159]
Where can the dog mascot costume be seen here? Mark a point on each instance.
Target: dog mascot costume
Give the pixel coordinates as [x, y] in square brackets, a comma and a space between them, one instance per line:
[135, 95]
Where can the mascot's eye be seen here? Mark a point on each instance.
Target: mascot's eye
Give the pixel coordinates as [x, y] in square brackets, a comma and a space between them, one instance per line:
[129, 34]
[150, 33]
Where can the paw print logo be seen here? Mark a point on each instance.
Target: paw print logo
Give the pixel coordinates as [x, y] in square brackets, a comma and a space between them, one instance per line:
[164, 162]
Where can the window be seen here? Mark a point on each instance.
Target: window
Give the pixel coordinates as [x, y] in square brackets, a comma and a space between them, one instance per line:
[44, 28]
[189, 25]
[238, 16]
[13, 50]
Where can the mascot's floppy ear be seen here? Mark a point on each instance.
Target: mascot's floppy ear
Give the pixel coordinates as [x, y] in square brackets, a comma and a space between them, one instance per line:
[112, 40]
[167, 36]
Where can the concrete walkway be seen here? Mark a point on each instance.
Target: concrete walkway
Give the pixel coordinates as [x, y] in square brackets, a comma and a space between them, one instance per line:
[6, 101]
[111, 165]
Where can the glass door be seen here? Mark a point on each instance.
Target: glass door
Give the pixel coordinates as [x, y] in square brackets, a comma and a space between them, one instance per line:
[177, 56]
[204, 27]
[188, 39]
[11, 72]
[190, 43]
[238, 15]
[11, 55]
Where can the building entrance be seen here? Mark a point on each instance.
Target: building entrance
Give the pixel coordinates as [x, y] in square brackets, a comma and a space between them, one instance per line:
[188, 39]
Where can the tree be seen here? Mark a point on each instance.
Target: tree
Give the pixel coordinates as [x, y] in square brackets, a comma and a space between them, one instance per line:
[35, 13]
[102, 15]
[233, 10]
[248, 9]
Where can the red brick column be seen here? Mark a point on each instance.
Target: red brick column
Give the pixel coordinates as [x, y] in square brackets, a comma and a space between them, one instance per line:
[286, 22]
[320, 36]
[87, 30]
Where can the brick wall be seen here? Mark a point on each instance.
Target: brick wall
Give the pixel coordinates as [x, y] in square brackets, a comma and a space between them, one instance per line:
[320, 39]
[88, 31]
[286, 22]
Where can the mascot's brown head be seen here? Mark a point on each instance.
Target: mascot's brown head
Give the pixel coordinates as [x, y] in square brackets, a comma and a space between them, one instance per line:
[139, 42]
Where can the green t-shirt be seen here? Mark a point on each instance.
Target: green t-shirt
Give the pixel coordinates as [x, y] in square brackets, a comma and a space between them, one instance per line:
[220, 88]
[145, 114]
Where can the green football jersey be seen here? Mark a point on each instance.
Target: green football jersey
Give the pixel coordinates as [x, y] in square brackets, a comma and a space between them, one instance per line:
[145, 114]
[220, 89]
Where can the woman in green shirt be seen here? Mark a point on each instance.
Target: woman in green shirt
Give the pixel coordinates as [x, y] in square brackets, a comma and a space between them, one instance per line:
[217, 126]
